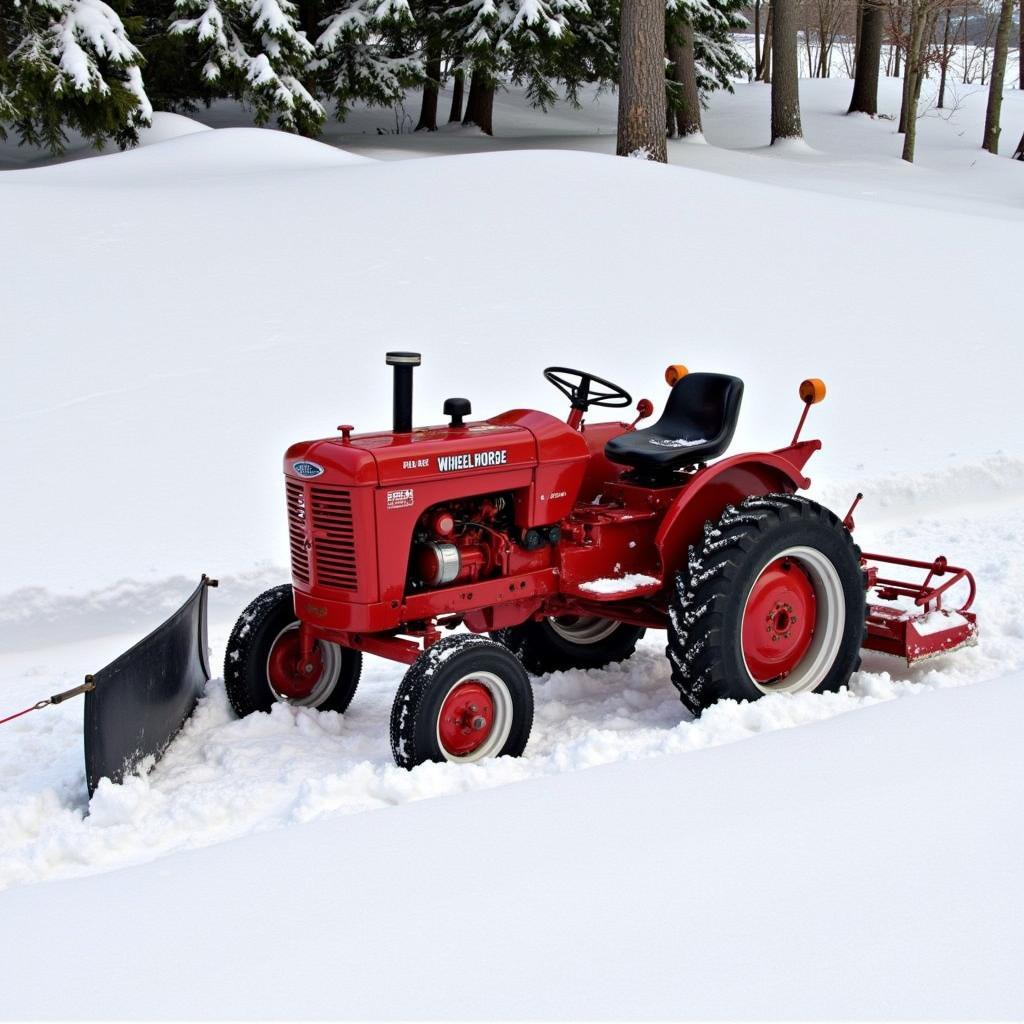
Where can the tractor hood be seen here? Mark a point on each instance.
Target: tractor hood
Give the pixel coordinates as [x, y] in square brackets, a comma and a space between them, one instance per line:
[513, 440]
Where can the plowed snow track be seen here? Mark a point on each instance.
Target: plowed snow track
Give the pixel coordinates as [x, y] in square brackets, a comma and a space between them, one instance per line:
[225, 778]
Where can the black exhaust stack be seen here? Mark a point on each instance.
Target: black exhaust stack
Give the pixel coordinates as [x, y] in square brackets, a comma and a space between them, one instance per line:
[404, 363]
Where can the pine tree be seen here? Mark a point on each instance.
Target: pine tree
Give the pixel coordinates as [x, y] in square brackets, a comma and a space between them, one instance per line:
[255, 50]
[533, 42]
[173, 79]
[367, 52]
[718, 58]
[641, 121]
[68, 64]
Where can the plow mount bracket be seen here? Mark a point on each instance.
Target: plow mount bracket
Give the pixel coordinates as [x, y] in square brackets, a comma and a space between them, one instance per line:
[913, 624]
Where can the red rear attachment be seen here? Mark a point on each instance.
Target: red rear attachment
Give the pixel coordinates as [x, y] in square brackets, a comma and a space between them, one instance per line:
[926, 629]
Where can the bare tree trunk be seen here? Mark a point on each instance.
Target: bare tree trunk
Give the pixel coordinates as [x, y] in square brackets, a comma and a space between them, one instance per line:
[458, 84]
[642, 114]
[905, 101]
[684, 116]
[764, 72]
[432, 67]
[480, 104]
[912, 79]
[786, 76]
[869, 56]
[945, 62]
[1019, 152]
[858, 24]
[995, 89]
[757, 41]
[1020, 45]
[963, 22]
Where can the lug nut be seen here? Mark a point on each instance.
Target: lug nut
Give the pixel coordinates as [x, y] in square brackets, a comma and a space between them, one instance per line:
[478, 723]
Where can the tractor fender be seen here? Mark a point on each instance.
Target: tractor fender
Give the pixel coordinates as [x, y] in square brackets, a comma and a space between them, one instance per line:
[711, 489]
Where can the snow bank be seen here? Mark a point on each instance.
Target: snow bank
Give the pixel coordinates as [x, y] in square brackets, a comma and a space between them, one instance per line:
[166, 125]
[868, 868]
[282, 284]
[185, 156]
[225, 778]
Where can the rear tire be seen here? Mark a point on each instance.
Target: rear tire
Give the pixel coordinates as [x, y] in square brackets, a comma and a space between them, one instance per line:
[566, 642]
[772, 601]
[463, 700]
[261, 652]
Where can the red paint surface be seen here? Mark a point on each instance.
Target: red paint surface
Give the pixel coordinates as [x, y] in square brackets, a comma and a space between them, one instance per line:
[285, 667]
[466, 719]
[779, 620]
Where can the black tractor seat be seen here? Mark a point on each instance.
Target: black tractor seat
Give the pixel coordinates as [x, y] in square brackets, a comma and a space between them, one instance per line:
[697, 424]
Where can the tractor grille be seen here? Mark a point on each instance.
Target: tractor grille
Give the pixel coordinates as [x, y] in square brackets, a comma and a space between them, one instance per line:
[334, 544]
[297, 530]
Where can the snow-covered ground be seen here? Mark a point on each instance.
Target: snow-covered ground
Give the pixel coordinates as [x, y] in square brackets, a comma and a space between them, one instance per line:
[175, 316]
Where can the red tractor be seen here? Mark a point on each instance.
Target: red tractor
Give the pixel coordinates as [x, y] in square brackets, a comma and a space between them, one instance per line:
[557, 544]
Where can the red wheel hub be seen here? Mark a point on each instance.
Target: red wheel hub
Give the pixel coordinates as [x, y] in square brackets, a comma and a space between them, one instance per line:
[290, 676]
[778, 621]
[467, 717]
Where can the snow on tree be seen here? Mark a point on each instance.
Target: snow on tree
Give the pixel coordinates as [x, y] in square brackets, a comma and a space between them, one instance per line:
[254, 49]
[527, 40]
[68, 64]
[718, 59]
[366, 52]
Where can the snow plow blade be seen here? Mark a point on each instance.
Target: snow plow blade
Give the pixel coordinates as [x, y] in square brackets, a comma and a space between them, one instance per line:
[140, 701]
[920, 627]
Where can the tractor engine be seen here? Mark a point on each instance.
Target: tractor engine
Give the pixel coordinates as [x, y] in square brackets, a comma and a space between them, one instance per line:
[460, 542]
[475, 539]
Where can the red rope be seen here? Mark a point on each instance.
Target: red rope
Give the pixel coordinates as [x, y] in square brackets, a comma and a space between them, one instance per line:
[35, 707]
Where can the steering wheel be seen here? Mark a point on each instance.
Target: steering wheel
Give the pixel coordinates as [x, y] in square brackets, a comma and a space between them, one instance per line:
[581, 391]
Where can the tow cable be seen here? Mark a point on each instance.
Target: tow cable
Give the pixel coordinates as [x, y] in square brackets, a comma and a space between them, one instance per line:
[57, 698]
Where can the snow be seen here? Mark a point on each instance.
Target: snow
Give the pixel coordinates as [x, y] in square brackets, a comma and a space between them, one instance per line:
[619, 584]
[677, 442]
[937, 621]
[175, 316]
[864, 868]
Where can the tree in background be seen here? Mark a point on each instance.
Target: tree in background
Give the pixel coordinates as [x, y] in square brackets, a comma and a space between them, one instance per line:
[683, 96]
[173, 76]
[432, 30]
[641, 123]
[254, 49]
[869, 57]
[786, 73]
[995, 87]
[922, 17]
[703, 56]
[69, 65]
[367, 52]
[530, 41]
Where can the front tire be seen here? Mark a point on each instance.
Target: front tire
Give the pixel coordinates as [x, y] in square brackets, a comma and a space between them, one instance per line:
[772, 601]
[566, 642]
[260, 664]
[463, 700]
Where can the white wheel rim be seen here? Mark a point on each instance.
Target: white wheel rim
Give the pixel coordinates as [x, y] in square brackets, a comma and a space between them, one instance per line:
[583, 629]
[829, 626]
[501, 700]
[331, 654]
